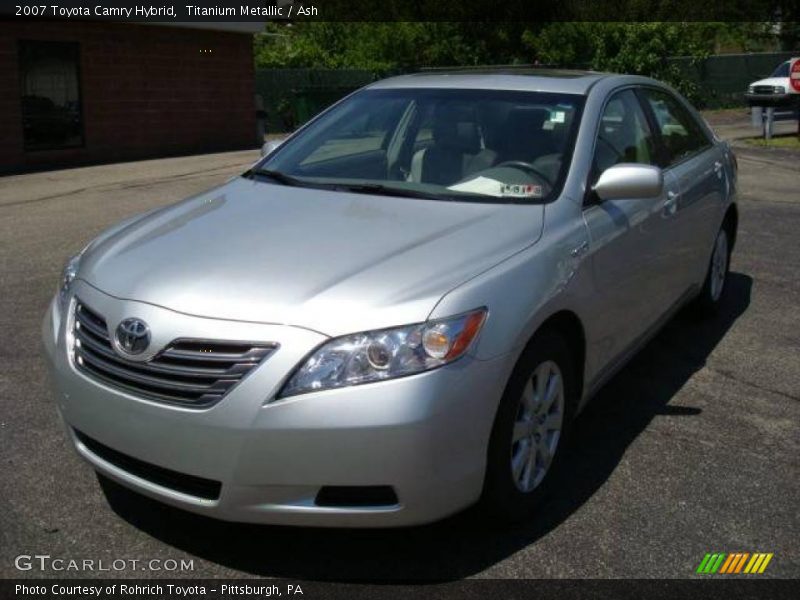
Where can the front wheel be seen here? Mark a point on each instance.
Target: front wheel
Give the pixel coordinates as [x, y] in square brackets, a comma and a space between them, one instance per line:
[717, 276]
[530, 429]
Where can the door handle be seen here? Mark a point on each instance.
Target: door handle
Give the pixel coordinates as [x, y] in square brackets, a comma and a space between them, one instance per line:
[671, 203]
[577, 251]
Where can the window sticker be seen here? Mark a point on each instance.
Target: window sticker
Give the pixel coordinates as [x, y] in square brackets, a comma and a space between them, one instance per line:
[558, 116]
[521, 190]
[480, 185]
[498, 189]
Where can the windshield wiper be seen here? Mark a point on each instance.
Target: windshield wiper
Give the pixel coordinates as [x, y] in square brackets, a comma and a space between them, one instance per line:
[278, 176]
[379, 189]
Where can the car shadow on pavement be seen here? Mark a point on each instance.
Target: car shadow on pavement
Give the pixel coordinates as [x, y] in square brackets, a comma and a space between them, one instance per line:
[462, 545]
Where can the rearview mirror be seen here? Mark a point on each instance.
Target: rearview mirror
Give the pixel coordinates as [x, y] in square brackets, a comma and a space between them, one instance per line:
[270, 146]
[629, 180]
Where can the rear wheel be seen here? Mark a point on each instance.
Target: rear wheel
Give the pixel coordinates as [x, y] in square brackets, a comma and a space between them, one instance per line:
[717, 276]
[530, 429]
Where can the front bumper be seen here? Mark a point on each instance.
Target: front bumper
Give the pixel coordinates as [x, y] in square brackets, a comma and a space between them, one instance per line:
[786, 100]
[424, 435]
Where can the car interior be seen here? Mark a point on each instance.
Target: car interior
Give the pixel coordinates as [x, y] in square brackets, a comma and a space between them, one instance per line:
[465, 141]
[443, 143]
[623, 136]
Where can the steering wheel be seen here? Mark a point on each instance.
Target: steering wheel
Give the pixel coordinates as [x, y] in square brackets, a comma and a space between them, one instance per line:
[526, 166]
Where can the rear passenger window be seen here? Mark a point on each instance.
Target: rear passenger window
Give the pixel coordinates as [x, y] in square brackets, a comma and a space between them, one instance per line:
[681, 135]
[624, 135]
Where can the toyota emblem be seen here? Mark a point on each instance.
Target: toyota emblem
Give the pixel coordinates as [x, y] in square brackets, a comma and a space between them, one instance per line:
[132, 336]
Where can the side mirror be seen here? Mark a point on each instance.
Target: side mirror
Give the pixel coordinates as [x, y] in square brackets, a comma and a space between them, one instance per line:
[270, 146]
[629, 180]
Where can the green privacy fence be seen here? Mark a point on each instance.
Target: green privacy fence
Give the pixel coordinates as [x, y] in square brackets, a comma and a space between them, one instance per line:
[292, 96]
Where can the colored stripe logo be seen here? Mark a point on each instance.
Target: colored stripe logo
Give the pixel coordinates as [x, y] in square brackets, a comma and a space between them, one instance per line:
[734, 563]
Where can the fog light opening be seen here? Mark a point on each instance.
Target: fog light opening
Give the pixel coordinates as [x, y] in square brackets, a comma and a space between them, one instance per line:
[343, 496]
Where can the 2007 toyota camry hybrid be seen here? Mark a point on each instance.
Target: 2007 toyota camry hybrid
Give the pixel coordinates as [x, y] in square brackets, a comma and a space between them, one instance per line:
[399, 311]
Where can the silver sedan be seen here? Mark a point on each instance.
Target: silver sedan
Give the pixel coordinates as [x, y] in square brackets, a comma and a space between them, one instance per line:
[397, 312]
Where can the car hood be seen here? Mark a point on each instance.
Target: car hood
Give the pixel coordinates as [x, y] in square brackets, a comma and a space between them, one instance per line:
[329, 261]
[784, 81]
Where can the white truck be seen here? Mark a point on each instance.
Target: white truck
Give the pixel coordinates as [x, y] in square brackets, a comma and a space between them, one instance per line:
[775, 90]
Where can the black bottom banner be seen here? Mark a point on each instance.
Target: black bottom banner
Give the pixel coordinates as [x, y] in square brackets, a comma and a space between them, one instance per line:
[483, 589]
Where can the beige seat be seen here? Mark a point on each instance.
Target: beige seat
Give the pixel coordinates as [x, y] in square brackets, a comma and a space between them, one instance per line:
[455, 152]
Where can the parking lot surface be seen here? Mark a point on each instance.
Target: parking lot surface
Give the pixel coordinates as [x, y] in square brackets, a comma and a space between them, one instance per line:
[693, 448]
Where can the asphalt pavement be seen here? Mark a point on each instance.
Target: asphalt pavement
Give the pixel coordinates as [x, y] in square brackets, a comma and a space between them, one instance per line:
[693, 448]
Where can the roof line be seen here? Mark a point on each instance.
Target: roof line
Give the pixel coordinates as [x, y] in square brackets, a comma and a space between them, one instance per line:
[488, 67]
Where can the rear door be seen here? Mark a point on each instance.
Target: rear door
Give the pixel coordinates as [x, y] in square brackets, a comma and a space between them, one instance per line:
[688, 154]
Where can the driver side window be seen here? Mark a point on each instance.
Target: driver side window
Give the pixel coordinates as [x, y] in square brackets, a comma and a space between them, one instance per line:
[624, 135]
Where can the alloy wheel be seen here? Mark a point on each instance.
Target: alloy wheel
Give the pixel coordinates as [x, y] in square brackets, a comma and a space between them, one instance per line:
[719, 265]
[537, 426]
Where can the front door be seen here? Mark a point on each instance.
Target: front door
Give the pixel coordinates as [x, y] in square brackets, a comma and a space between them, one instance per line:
[688, 154]
[630, 270]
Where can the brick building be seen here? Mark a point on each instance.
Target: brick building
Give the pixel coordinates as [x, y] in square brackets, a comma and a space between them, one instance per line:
[91, 91]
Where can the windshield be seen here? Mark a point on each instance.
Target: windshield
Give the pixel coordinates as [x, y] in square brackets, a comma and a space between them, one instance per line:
[782, 70]
[485, 145]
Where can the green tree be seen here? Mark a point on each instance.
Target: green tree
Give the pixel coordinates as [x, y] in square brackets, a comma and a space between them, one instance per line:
[637, 48]
[388, 46]
[624, 47]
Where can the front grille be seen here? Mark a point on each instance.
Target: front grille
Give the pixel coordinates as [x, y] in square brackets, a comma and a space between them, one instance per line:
[194, 373]
[763, 89]
[180, 482]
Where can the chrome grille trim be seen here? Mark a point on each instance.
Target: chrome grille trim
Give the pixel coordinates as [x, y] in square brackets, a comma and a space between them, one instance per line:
[189, 372]
[763, 89]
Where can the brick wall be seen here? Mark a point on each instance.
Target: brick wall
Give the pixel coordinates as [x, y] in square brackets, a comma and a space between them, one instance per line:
[146, 91]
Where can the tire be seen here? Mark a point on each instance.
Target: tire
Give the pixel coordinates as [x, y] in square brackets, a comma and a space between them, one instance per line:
[507, 495]
[713, 292]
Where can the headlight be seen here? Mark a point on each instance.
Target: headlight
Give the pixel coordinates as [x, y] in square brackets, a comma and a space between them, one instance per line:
[67, 277]
[386, 354]
[751, 89]
[779, 89]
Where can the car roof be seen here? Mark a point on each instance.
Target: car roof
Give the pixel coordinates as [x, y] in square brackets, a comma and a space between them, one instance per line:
[526, 79]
